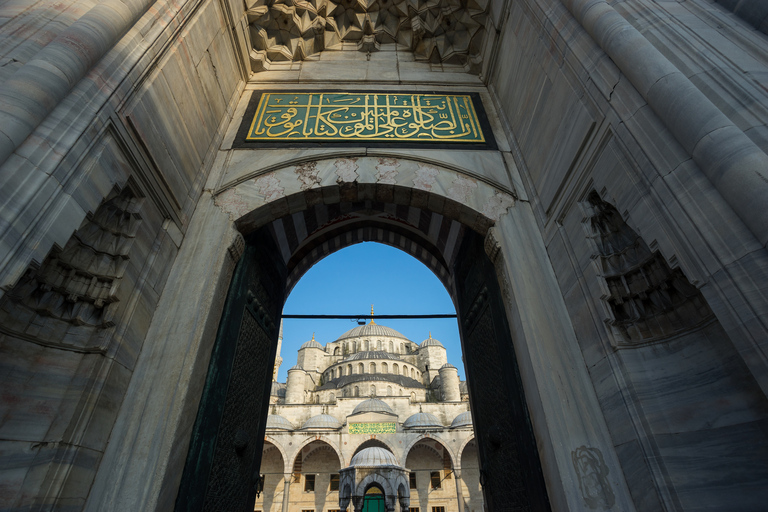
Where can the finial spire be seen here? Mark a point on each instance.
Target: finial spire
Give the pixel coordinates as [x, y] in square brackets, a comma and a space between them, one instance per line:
[430, 334]
[313, 336]
[372, 314]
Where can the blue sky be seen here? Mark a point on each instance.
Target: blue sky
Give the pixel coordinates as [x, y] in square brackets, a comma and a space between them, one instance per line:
[349, 281]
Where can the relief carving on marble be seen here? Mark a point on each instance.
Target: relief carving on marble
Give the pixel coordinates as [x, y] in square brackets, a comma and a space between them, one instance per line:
[645, 299]
[593, 482]
[448, 31]
[77, 285]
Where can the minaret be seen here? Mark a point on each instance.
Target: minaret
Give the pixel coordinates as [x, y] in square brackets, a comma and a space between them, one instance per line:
[278, 359]
[449, 379]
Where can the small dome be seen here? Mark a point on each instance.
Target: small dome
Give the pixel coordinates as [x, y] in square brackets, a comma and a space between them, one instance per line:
[322, 421]
[422, 420]
[431, 342]
[447, 366]
[373, 405]
[277, 422]
[374, 456]
[312, 344]
[462, 420]
[296, 367]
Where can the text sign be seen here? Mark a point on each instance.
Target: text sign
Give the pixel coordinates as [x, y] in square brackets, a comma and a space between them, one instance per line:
[309, 116]
[372, 428]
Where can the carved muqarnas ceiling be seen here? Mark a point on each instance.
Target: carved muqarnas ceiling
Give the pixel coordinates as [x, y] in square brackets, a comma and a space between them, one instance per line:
[438, 31]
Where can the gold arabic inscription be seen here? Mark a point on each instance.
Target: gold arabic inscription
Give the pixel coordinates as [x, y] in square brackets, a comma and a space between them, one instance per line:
[303, 116]
[372, 428]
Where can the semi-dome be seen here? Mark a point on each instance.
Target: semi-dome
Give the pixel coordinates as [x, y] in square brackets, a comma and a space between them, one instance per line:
[372, 354]
[422, 420]
[462, 420]
[277, 422]
[374, 456]
[371, 329]
[322, 421]
[431, 342]
[373, 405]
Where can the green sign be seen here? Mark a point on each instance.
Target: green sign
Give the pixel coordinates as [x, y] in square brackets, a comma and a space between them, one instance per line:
[310, 116]
[372, 428]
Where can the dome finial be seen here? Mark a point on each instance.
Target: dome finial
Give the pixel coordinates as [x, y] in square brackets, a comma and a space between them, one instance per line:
[313, 336]
[372, 315]
[430, 334]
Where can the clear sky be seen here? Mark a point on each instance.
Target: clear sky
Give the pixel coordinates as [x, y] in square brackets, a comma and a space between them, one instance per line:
[349, 281]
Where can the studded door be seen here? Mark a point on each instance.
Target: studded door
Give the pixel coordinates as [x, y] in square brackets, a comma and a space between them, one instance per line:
[510, 471]
[225, 451]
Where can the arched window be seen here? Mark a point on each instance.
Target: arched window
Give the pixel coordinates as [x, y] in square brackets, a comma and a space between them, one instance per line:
[349, 369]
[395, 369]
[367, 345]
[361, 368]
[413, 396]
[357, 391]
[402, 348]
[373, 390]
[378, 345]
[391, 346]
[333, 397]
[338, 372]
[336, 351]
[413, 373]
[372, 368]
[354, 346]
[389, 390]
[384, 368]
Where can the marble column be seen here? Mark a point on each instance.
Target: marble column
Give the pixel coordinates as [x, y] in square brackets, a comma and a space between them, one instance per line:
[286, 492]
[459, 492]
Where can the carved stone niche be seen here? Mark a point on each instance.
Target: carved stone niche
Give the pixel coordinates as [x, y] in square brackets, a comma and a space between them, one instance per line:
[646, 300]
[72, 296]
[437, 31]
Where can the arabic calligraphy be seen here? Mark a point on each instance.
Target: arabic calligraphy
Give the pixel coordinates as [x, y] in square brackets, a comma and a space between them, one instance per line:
[372, 428]
[337, 116]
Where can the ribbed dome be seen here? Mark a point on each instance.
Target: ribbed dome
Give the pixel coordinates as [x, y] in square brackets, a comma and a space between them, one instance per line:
[371, 330]
[447, 365]
[373, 405]
[374, 456]
[277, 422]
[430, 342]
[322, 421]
[462, 420]
[422, 420]
[312, 344]
[372, 354]
[295, 367]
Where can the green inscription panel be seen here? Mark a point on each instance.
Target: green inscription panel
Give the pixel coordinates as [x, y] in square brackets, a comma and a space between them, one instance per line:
[372, 428]
[309, 116]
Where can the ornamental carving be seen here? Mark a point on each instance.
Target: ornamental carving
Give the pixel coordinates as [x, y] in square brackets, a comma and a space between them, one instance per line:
[447, 31]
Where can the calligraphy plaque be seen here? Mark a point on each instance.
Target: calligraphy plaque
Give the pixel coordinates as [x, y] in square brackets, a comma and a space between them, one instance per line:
[372, 428]
[354, 116]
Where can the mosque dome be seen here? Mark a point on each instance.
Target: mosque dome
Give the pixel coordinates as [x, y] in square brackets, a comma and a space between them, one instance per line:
[371, 329]
[462, 420]
[373, 405]
[277, 422]
[431, 342]
[422, 420]
[322, 421]
[374, 456]
[312, 344]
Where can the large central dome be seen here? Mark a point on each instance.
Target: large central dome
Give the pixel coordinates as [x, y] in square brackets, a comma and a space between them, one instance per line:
[371, 329]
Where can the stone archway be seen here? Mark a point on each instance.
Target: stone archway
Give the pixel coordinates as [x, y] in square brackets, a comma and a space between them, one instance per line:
[460, 207]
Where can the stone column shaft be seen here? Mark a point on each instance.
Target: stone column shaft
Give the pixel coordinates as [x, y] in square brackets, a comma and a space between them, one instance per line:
[734, 164]
[286, 493]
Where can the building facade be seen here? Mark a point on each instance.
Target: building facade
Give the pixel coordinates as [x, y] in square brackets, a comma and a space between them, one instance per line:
[602, 232]
[370, 388]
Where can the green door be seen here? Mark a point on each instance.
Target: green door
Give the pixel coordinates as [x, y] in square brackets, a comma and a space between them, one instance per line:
[373, 503]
